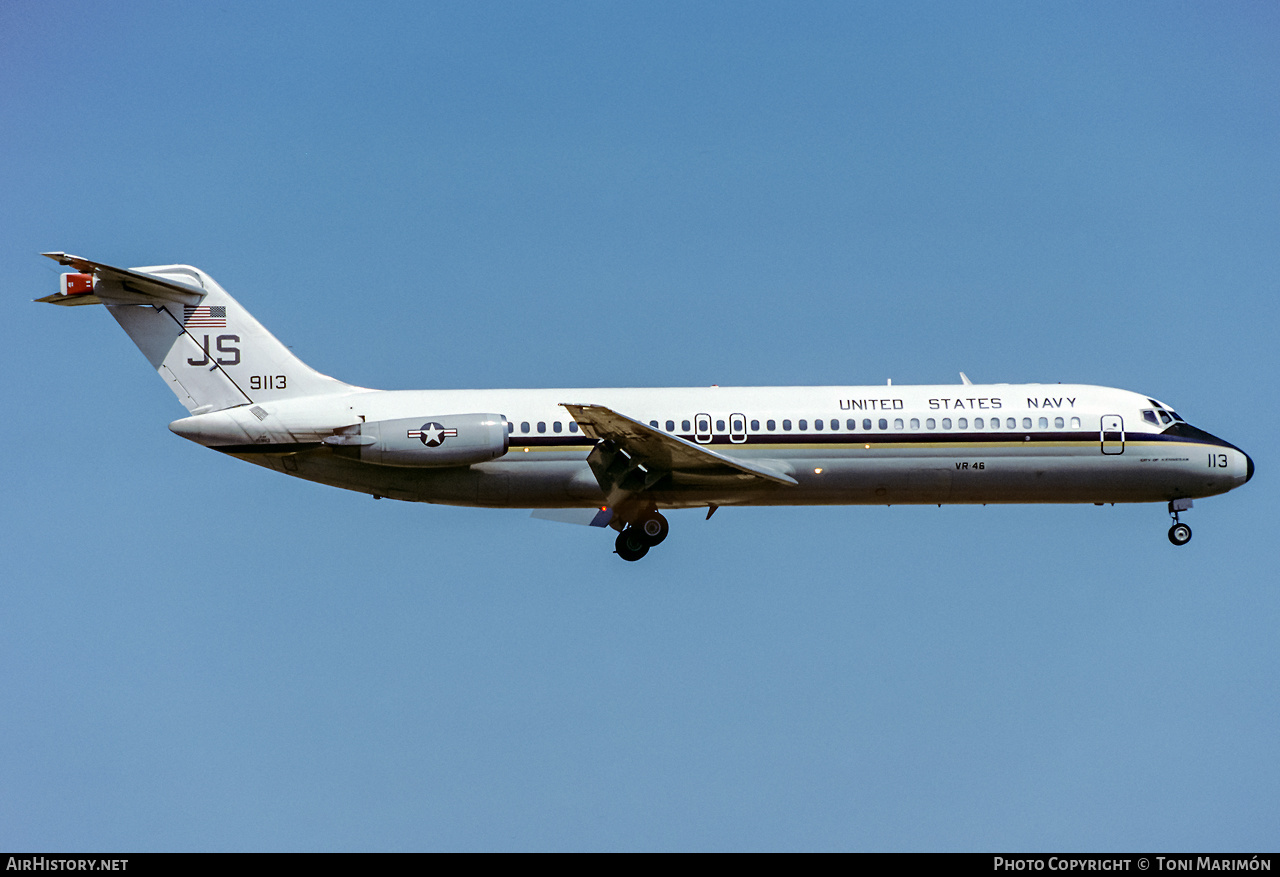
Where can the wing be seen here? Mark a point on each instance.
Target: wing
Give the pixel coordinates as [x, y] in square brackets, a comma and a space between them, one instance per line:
[657, 450]
[122, 285]
[631, 457]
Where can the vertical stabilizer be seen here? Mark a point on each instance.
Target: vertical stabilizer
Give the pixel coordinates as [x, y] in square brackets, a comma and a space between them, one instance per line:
[210, 351]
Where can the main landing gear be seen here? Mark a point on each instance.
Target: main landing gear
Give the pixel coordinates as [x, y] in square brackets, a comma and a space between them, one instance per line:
[642, 534]
[1179, 533]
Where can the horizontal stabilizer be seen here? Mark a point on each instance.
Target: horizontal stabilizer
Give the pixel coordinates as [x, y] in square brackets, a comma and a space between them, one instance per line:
[124, 285]
[61, 298]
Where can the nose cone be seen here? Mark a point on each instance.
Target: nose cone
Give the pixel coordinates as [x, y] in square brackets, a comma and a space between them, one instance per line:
[1186, 430]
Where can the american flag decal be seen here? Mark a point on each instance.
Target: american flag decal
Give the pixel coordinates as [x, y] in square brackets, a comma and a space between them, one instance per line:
[203, 317]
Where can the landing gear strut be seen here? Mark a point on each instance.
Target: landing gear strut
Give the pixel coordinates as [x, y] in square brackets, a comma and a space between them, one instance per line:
[1179, 533]
[647, 531]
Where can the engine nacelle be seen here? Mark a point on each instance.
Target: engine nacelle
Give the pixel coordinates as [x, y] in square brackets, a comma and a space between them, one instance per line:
[440, 440]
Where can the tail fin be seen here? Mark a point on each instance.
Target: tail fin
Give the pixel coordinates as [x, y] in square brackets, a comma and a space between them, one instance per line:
[211, 352]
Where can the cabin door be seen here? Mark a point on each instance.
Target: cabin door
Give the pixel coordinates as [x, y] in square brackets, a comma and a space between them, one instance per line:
[702, 428]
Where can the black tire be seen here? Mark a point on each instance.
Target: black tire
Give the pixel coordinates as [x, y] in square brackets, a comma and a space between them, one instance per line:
[630, 545]
[1179, 534]
[653, 529]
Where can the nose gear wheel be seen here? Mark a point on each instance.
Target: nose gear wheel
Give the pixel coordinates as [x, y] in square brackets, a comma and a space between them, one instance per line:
[1179, 533]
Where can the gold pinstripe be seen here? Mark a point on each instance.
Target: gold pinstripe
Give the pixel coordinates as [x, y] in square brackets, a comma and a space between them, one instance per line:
[863, 446]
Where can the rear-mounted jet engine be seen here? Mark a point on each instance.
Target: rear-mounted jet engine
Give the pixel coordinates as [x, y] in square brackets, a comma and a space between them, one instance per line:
[437, 440]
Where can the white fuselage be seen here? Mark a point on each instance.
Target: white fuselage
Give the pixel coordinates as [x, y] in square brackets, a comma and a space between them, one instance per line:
[990, 443]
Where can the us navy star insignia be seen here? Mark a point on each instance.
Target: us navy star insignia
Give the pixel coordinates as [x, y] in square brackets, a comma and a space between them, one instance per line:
[432, 434]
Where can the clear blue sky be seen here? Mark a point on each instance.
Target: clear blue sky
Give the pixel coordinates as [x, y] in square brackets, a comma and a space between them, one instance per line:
[200, 654]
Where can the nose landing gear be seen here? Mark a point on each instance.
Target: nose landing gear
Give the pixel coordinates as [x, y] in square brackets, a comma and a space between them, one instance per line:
[1179, 533]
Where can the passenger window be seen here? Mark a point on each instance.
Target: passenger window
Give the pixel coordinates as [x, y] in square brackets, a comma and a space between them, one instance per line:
[977, 423]
[946, 423]
[555, 427]
[524, 426]
[653, 423]
[962, 423]
[684, 425]
[1075, 423]
[671, 426]
[931, 423]
[804, 424]
[817, 424]
[835, 424]
[897, 423]
[542, 426]
[1043, 423]
[1059, 423]
[786, 425]
[866, 423]
[755, 426]
[1026, 423]
[771, 425]
[915, 423]
[883, 424]
[573, 426]
[851, 424]
[737, 426]
[719, 426]
[704, 426]
[511, 427]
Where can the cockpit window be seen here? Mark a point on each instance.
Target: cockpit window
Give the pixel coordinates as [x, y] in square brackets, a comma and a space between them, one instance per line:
[1165, 413]
[1150, 416]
